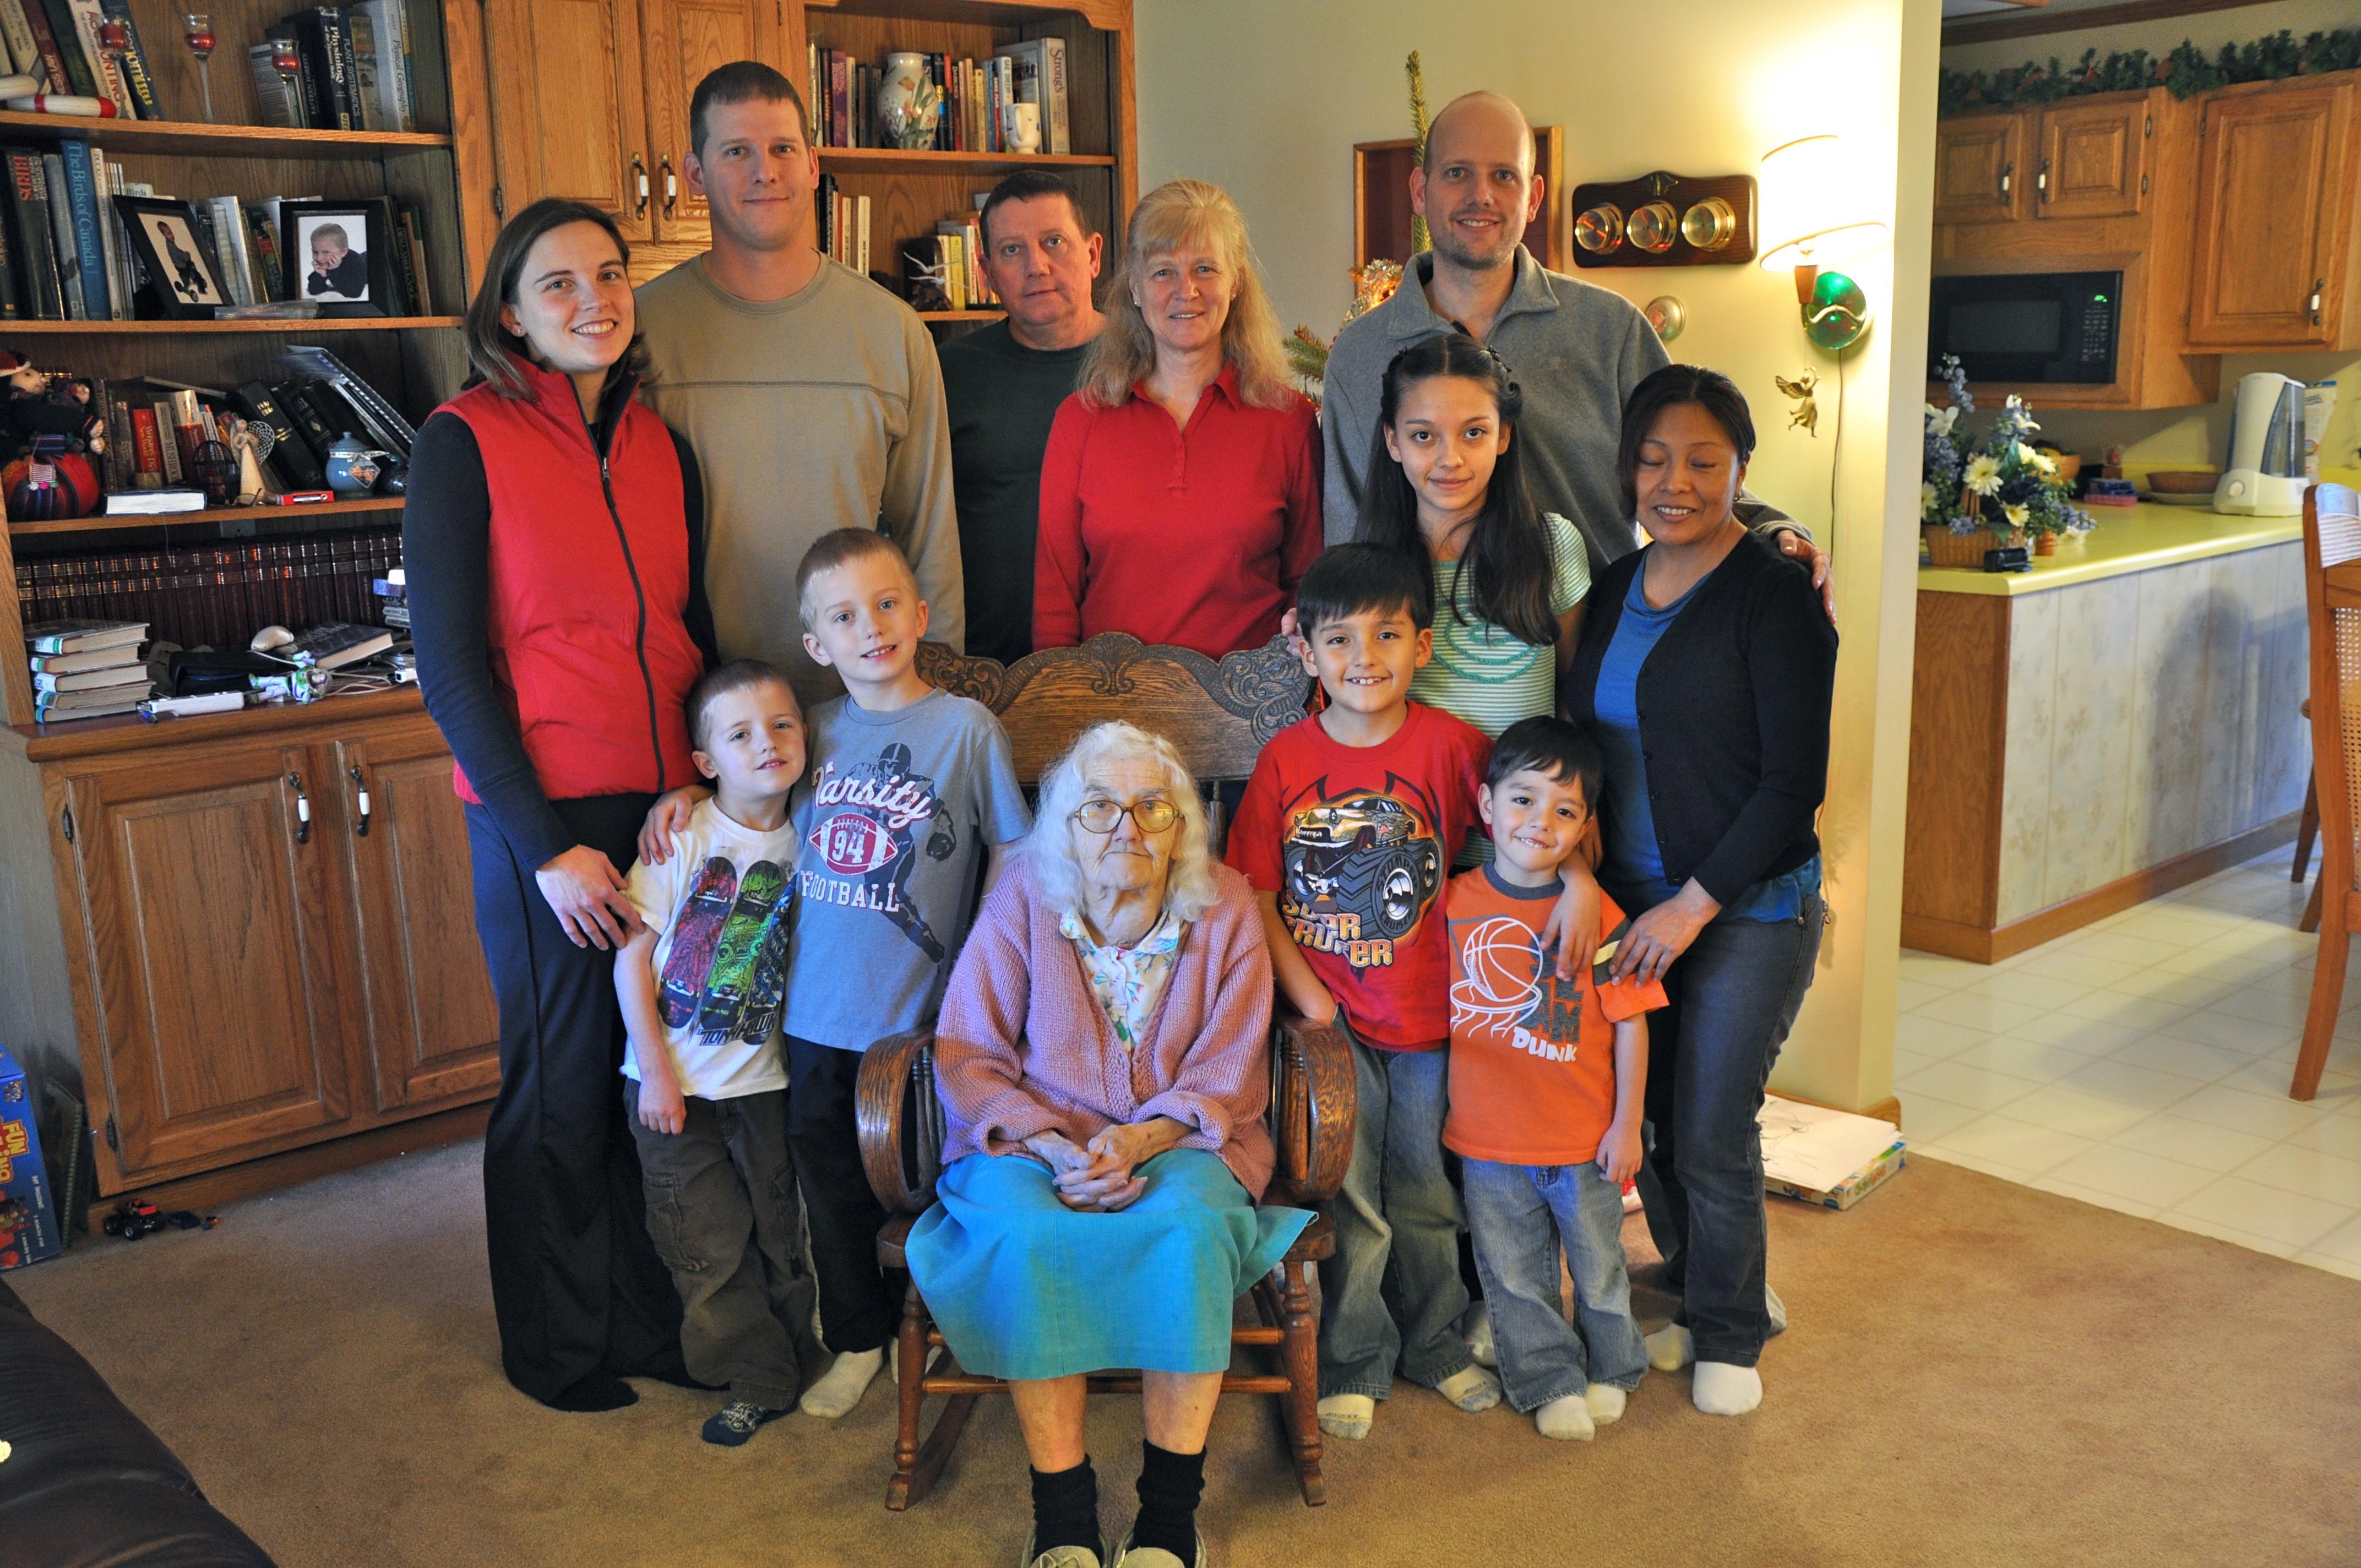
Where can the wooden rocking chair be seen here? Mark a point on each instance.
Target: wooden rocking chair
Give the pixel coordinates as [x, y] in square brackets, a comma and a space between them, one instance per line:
[2332, 583]
[1218, 714]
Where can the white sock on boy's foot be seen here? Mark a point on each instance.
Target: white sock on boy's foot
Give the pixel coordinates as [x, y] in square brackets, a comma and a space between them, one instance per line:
[1347, 1415]
[836, 1393]
[1472, 1390]
[1478, 1337]
[1671, 1348]
[1567, 1419]
[1722, 1389]
[1605, 1403]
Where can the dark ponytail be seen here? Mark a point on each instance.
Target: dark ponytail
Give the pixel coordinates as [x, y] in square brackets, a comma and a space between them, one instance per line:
[1510, 563]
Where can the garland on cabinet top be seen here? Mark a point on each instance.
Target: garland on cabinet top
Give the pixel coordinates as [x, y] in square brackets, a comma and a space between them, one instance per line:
[2187, 70]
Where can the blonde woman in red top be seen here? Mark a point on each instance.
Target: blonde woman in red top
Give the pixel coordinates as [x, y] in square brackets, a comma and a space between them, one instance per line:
[1180, 491]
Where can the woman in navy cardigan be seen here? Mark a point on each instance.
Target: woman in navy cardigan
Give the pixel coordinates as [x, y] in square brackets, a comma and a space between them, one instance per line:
[1706, 666]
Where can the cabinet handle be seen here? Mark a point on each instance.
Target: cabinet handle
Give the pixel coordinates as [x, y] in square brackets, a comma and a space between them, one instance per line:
[640, 181]
[360, 788]
[303, 809]
[2007, 174]
[2041, 180]
[2317, 285]
[671, 183]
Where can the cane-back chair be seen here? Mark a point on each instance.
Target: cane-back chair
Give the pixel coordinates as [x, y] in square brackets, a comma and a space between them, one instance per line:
[1217, 713]
[2332, 583]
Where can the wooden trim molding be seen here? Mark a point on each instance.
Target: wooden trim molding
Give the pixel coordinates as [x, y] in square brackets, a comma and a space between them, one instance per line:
[1957, 939]
[1958, 738]
[1998, 27]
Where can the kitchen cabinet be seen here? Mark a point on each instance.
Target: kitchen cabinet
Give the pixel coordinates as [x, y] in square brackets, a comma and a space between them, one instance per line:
[2276, 210]
[2094, 158]
[1976, 159]
[252, 932]
[589, 99]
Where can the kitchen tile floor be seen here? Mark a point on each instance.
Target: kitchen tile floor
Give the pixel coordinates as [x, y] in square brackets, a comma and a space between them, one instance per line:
[2142, 1064]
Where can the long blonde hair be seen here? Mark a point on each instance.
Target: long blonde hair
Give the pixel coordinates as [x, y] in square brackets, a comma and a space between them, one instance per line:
[1173, 215]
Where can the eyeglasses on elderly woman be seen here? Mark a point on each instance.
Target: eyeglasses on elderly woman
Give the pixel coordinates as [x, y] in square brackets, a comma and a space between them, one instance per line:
[1153, 815]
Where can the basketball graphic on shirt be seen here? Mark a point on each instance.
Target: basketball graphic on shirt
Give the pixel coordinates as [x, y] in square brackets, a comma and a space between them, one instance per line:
[694, 934]
[1499, 963]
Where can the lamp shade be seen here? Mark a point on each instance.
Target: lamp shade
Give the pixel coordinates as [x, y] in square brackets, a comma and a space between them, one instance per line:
[1811, 206]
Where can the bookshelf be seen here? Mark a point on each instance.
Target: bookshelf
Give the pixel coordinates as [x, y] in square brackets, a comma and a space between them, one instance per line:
[908, 192]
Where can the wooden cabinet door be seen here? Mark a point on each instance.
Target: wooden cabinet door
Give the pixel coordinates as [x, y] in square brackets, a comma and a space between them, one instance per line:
[1978, 164]
[432, 1028]
[569, 113]
[2274, 217]
[207, 913]
[684, 39]
[2094, 161]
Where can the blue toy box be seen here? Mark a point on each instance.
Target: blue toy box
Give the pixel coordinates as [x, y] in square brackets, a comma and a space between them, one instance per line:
[28, 1218]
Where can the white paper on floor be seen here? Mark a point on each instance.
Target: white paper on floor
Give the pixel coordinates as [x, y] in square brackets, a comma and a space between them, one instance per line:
[1815, 1148]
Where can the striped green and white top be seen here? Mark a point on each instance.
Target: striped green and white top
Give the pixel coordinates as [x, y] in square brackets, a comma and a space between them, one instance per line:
[1483, 675]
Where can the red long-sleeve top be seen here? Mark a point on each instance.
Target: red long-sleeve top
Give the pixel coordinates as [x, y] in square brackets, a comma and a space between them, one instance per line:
[1195, 536]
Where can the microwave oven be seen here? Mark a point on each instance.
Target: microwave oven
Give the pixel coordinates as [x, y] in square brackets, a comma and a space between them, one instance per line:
[2060, 327]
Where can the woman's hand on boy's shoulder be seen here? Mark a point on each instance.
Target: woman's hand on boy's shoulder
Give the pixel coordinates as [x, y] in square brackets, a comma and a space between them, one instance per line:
[1795, 547]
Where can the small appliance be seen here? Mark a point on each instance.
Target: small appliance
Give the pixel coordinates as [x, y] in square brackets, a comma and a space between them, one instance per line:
[2264, 474]
[2017, 327]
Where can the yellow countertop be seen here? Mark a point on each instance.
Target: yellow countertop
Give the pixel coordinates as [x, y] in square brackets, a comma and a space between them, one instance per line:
[2128, 538]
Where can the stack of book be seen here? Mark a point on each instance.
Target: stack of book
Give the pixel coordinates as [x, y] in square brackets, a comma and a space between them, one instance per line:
[86, 668]
[57, 43]
[976, 95]
[392, 592]
[213, 595]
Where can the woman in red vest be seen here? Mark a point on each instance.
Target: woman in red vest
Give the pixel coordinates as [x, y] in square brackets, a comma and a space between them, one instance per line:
[554, 539]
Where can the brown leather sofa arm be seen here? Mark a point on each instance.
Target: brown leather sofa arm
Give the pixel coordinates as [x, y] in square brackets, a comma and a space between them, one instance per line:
[1311, 1109]
[894, 1145]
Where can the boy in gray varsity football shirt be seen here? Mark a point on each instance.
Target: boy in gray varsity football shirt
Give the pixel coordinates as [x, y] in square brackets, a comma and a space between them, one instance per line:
[910, 798]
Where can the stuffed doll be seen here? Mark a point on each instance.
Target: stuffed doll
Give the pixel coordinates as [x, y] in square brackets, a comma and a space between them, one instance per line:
[48, 427]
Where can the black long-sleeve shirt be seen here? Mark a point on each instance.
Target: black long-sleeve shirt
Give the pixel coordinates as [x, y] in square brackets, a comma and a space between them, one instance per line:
[447, 558]
[1734, 702]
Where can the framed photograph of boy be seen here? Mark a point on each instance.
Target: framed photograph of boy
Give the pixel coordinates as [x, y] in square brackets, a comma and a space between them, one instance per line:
[181, 283]
[336, 254]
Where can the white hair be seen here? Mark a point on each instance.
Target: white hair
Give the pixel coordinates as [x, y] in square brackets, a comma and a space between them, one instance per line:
[1189, 889]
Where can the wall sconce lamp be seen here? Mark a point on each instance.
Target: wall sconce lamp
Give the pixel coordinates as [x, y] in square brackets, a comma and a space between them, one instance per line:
[1808, 221]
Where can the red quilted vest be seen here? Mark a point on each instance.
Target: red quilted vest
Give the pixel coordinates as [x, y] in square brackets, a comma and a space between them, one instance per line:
[589, 579]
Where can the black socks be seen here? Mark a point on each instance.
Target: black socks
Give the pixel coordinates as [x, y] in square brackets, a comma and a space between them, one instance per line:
[1169, 1485]
[1066, 1509]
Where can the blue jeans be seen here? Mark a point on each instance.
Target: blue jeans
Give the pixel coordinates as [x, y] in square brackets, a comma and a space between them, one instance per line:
[1521, 1213]
[1734, 996]
[1391, 1296]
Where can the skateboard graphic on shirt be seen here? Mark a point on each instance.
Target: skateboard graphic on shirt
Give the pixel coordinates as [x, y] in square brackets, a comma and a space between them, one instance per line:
[1360, 872]
[694, 934]
[750, 929]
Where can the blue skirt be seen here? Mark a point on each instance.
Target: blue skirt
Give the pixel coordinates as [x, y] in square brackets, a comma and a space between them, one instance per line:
[1023, 1287]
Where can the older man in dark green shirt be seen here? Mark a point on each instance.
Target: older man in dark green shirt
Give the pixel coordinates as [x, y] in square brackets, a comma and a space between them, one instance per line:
[1002, 385]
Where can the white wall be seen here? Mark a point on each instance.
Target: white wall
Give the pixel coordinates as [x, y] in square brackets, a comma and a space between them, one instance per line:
[1266, 97]
[2172, 438]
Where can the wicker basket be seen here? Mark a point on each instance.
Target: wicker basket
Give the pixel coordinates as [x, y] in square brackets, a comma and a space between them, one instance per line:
[1945, 548]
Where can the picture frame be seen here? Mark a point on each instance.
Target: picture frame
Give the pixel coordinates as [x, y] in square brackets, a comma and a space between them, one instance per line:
[178, 278]
[354, 236]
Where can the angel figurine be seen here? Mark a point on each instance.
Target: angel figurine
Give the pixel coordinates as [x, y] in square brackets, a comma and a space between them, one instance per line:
[251, 441]
[1808, 411]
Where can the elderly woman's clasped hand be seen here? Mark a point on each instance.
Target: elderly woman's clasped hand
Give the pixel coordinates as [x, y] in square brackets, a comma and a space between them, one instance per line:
[1098, 1177]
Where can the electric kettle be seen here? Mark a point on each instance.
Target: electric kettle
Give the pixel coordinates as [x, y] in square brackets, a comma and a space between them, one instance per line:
[2264, 475]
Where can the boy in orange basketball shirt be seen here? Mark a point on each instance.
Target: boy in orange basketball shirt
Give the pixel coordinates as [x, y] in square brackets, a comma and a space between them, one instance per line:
[1546, 1122]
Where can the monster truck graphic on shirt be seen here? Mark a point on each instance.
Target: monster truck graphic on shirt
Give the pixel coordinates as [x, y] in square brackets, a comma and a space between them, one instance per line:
[1361, 871]
[726, 970]
[864, 830]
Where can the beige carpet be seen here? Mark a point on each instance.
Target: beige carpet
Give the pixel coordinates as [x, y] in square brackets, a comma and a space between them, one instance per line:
[1978, 1374]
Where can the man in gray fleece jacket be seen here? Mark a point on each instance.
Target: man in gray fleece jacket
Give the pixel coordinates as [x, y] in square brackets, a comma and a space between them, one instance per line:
[1574, 348]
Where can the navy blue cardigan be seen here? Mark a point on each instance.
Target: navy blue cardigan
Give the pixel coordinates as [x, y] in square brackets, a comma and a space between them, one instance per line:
[1733, 705]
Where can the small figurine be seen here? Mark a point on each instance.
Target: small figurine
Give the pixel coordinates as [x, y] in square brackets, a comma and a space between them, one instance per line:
[250, 442]
[42, 404]
[1806, 414]
[48, 427]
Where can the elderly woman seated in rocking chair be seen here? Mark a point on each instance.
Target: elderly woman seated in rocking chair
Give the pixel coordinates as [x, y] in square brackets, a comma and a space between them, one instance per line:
[1102, 1058]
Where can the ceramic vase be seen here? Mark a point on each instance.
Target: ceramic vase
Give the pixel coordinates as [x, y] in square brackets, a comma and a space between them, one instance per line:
[1025, 127]
[900, 90]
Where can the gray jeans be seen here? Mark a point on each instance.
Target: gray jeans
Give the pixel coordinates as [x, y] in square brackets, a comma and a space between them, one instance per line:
[723, 1211]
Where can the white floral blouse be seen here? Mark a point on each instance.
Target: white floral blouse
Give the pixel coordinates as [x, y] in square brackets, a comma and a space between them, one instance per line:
[1128, 981]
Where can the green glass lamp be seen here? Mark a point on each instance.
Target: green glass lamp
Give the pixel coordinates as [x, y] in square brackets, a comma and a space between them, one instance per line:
[1808, 197]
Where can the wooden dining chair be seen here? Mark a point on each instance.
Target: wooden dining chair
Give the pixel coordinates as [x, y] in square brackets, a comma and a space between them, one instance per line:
[1217, 713]
[2331, 584]
[2307, 830]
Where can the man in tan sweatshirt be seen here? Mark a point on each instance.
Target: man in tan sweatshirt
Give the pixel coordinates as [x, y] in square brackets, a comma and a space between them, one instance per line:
[812, 397]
